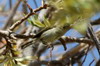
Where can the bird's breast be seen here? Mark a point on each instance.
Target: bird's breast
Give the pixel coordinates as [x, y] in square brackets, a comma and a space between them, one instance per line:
[52, 35]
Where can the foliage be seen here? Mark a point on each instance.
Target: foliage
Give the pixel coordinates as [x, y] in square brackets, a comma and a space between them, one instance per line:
[70, 11]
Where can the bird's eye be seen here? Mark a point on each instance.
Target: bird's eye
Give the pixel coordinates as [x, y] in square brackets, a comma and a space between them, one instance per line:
[64, 27]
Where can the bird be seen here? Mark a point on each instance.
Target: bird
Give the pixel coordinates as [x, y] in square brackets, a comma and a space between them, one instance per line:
[49, 35]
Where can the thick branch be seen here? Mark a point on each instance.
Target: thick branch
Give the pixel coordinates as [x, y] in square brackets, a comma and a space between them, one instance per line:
[11, 34]
[79, 40]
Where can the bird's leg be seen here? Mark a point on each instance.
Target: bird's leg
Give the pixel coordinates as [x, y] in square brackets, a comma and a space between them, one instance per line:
[63, 43]
[51, 46]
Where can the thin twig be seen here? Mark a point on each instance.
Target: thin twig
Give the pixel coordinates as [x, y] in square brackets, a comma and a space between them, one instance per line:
[13, 12]
[91, 62]
[26, 17]
[35, 3]
[10, 4]
[24, 8]
[94, 37]
[74, 51]
[85, 55]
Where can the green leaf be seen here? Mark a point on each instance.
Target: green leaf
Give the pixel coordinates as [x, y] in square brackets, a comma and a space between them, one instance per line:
[9, 63]
[39, 24]
[36, 22]
[47, 23]
[2, 59]
[30, 21]
[81, 26]
[23, 61]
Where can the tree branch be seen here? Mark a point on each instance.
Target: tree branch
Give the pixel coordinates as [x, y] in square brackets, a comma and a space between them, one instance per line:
[27, 16]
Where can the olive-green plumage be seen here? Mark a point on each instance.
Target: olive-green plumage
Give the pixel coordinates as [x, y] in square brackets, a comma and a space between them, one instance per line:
[50, 35]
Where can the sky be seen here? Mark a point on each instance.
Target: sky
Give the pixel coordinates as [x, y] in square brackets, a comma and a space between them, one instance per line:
[69, 33]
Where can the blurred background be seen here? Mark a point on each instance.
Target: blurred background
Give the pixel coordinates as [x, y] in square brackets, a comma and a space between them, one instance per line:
[6, 20]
